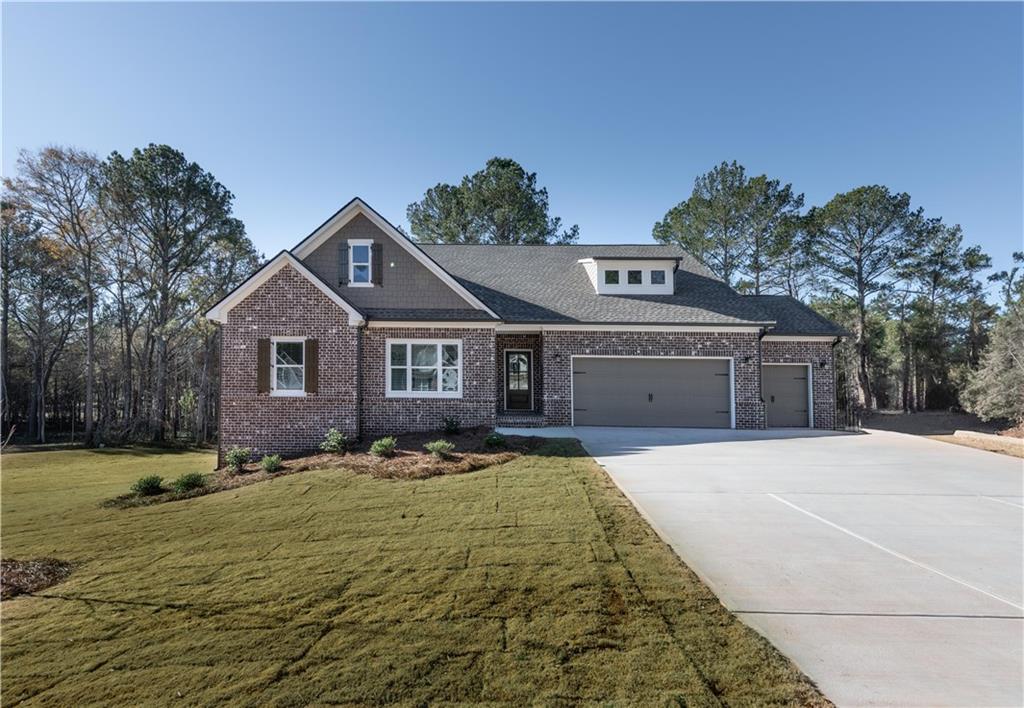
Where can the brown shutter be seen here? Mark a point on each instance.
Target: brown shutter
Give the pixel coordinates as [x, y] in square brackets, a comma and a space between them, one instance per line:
[263, 366]
[343, 263]
[312, 365]
[377, 264]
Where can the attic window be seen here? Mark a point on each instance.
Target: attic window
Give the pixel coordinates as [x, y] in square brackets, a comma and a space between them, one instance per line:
[611, 277]
[360, 262]
[657, 277]
[635, 277]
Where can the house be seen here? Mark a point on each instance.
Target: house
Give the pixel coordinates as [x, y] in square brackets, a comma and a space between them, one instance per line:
[361, 329]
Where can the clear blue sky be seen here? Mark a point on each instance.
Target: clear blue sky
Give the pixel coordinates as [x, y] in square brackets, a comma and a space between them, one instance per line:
[296, 108]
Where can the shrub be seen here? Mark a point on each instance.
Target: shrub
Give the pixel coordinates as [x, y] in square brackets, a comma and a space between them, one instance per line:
[237, 457]
[148, 486]
[440, 448]
[336, 441]
[189, 481]
[271, 463]
[385, 447]
[451, 425]
[495, 440]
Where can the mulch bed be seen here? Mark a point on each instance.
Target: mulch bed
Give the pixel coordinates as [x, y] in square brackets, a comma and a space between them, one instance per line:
[18, 577]
[410, 461]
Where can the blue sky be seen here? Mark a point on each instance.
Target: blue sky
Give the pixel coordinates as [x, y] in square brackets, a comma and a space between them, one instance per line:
[297, 108]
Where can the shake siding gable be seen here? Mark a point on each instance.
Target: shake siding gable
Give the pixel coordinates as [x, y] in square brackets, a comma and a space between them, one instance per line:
[402, 282]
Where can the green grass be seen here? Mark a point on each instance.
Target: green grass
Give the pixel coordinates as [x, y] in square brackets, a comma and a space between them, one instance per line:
[532, 582]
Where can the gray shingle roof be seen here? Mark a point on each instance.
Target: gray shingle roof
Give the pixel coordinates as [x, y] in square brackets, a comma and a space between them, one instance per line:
[546, 284]
[793, 317]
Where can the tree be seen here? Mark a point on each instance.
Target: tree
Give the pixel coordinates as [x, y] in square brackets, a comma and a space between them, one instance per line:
[858, 239]
[741, 228]
[58, 184]
[176, 214]
[500, 204]
[1012, 284]
[996, 389]
[45, 307]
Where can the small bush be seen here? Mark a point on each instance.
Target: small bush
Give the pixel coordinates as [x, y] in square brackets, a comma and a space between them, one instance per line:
[237, 457]
[451, 425]
[148, 486]
[271, 463]
[385, 447]
[189, 481]
[495, 440]
[336, 441]
[440, 448]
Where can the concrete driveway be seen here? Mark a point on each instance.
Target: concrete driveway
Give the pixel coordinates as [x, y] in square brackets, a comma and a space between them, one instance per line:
[888, 567]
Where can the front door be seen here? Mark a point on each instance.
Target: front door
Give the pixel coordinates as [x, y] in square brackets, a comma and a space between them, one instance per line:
[518, 380]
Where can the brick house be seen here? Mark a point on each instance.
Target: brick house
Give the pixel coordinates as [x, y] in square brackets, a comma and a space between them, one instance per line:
[361, 329]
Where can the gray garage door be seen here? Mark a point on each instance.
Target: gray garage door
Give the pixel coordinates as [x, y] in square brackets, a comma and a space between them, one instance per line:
[685, 393]
[785, 395]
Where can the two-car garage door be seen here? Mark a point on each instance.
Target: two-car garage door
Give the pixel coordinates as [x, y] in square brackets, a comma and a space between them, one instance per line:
[652, 392]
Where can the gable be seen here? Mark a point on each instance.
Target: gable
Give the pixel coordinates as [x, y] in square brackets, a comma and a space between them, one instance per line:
[406, 283]
[281, 262]
[409, 279]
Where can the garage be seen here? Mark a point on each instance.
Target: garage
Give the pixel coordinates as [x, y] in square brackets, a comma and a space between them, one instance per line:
[786, 399]
[652, 392]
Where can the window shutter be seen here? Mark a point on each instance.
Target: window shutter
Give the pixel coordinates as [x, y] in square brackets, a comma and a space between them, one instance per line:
[377, 258]
[263, 366]
[343, 263]
[312, 365]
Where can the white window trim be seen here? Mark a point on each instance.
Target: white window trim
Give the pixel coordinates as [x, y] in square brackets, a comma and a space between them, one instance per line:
[650, 277]
[618, 276]
[368, 242]
[273, 367]
[389, 393]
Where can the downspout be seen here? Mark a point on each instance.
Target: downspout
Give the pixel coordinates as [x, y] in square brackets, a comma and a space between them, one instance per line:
[359, 380]
[760, 373]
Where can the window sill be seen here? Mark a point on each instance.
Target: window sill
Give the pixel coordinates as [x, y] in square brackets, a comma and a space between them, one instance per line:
[360, 285]
[423, 394]
[288, 394]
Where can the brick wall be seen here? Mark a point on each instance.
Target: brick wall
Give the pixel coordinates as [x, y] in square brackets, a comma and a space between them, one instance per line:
[382, 415]
[742, 347]
[533, 342]
[286, 305]
[823, 379]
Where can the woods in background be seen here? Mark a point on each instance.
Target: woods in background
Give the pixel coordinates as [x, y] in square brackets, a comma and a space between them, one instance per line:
[107, 267]
[902, 282]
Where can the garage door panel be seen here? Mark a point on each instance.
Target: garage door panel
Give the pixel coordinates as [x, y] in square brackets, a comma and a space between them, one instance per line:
[652, 392]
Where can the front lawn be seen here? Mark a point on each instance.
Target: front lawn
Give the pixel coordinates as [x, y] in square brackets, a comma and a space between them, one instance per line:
[530, 581]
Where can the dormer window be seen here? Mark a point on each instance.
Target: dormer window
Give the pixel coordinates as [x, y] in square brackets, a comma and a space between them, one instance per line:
[631, 275]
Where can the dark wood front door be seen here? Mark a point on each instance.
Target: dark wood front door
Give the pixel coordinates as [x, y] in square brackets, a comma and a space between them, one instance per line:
[518, 380]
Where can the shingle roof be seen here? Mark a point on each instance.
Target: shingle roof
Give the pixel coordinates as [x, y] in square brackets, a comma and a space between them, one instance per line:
[793, 317]
[546, 284]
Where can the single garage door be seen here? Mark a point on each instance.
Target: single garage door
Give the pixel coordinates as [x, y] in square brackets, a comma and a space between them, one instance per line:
[785, 395]
[685, 393]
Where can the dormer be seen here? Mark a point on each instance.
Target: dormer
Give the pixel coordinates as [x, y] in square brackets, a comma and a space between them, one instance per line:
[631, 276]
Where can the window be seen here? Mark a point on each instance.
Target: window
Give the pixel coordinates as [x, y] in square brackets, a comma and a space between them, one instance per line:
[360, 260]
[424, 369]
[657, 277]
[611, 277]
[635, 277]
[288, 367]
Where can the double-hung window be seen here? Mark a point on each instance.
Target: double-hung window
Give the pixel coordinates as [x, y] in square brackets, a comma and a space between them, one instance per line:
[424, 369]
[360, 262]
[288, 363]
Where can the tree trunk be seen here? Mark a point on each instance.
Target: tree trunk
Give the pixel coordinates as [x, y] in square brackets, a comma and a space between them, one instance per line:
[90, 366]
[865, 398]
